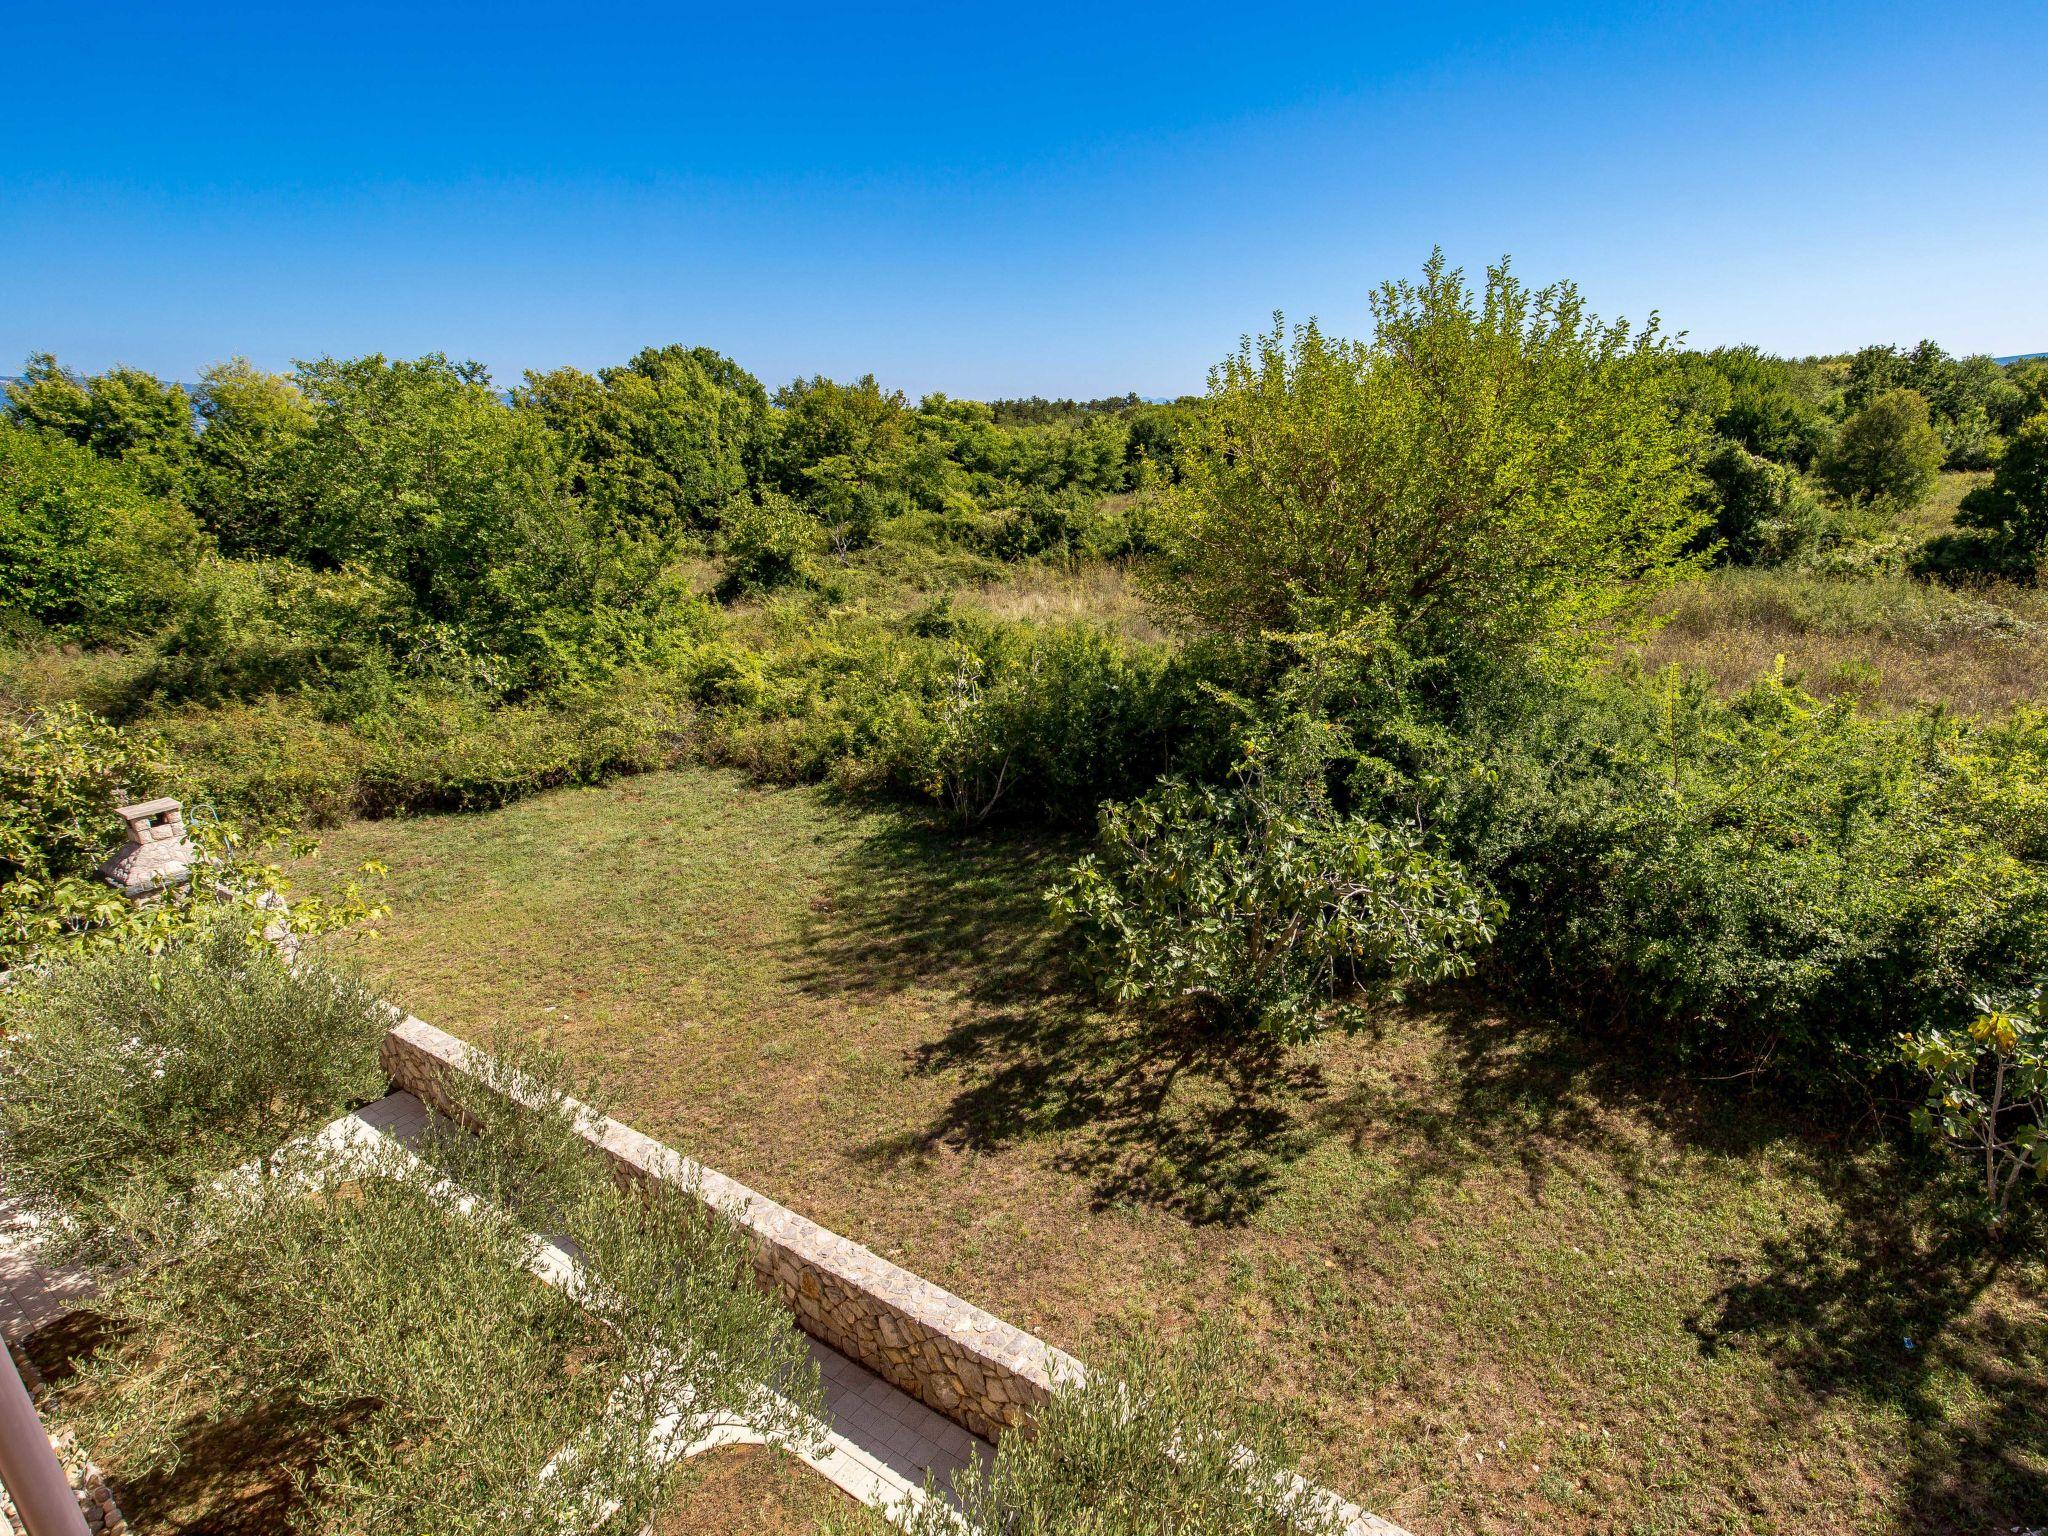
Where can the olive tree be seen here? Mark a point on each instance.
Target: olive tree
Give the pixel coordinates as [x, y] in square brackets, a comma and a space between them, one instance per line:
[1495, 473]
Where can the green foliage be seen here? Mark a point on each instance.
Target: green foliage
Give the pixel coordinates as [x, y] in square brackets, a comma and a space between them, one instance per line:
[132, 1079]
[249, 628]
[2012, 511]
[1764, 512]
[1770, 878]
[660, 444]
[1159, 1440]
[1265, 906]
[124, 414]
[1970, 399]
[352, 1290]
[1496, 475]
[1885, 456]
[1987, 1093]
[769, 543]
[84, 549]
[1769, 406]
[242, 481]
[61, 775]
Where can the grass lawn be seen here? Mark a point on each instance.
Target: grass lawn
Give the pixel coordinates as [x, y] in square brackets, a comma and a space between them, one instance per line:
[1504, 1283]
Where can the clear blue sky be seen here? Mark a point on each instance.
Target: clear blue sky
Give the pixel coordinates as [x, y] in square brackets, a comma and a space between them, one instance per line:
[1000, 200]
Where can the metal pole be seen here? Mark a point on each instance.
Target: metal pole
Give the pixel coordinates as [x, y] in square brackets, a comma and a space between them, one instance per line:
[35, 1478]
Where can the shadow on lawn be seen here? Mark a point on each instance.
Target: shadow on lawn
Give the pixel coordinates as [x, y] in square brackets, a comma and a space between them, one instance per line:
[1148, 1111]
[1165, 1112]
[1882, 1301]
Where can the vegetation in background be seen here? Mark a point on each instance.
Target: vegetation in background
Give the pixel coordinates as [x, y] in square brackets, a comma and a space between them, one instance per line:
[1492, 473]
[1398, 567]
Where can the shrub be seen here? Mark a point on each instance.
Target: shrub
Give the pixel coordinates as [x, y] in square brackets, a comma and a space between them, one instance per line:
[1886, 456]
[1764, 514]
[1494, 476]
[1159, 1441]
[1987, 1093]
[84, 549]
[353, 1292]
[1770, 878]
[769, 543]
[2012, 511]
[1266, 912]
[250, 628]
[131, 1079]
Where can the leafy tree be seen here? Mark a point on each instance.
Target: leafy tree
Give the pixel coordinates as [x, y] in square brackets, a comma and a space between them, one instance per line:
[1764, 512]
[122, 414]
[1886, 456]
[844, 433]
[1770, 406]
[419, 473]
[84, 548]
[2013, 509]
[1966, 397]
[660, 444]
[242, 482]
[1493, 474]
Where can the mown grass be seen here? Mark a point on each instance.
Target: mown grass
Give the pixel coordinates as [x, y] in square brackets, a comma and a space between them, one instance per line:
[1503, 1280]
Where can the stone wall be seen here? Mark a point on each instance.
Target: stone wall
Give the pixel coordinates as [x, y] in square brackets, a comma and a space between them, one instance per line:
[960, 1361]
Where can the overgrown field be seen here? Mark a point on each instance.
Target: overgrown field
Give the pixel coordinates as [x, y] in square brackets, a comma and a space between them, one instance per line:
[1500, 1277]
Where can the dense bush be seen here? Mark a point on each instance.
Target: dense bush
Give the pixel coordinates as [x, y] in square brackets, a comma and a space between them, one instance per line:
[84, 549]
[1885, 456]
[2012, 511]
[1771, 877]
[1492, 473]
[769, 543]
[1268, 914]
[1764, 513]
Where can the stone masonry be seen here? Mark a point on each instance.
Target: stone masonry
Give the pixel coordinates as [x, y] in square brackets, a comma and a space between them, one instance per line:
[962, 1362]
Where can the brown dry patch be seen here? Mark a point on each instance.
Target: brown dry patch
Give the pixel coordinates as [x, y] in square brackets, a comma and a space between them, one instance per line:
[751, 1488]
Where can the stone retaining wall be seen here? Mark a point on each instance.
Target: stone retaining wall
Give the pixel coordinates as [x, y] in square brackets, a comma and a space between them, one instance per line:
[965, 1363]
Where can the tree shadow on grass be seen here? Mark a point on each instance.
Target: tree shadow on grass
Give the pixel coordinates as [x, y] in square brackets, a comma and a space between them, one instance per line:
[1156, 1109]
[1149, 1110]
[1891, 1300]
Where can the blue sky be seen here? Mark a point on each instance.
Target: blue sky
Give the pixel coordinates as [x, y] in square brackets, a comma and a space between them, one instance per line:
[1000, 200]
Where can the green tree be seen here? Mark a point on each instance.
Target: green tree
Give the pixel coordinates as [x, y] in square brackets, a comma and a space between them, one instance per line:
[122, 414]
[1492, 473]
[1886, 456]
[2013, 509]
[661, 443]
[253, 421]
[419, 473]
[84, 548]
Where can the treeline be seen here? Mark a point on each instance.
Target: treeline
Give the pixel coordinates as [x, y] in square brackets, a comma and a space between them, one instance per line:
[1391, 742]
[1818, 453]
